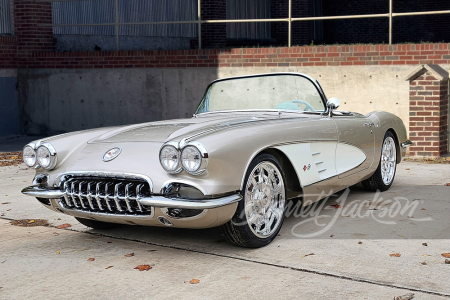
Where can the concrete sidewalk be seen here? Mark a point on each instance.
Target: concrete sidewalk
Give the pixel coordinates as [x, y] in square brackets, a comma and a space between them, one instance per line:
[341, 267]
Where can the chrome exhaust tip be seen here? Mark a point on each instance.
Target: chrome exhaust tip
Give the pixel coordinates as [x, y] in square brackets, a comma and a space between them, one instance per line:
[165, 221]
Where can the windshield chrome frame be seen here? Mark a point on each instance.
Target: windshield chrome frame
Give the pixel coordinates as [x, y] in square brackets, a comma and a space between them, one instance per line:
[314, 82]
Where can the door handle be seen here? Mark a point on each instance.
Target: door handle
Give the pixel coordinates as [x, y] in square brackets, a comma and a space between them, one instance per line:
[368, 124]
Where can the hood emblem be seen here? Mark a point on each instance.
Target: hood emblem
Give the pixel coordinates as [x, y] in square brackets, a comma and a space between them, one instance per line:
[111, 154]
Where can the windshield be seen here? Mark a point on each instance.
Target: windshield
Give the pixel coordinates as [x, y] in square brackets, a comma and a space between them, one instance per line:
[291, 92]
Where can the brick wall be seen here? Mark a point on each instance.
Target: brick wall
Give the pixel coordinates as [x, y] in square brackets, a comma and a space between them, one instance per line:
[31, 37]
[428, 116]
[8, 52]
[250, 57]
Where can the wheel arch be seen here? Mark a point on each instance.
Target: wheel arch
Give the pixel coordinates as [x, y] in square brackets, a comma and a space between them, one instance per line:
[293, 186]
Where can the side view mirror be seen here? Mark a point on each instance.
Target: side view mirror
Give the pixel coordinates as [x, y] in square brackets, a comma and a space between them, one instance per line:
[332, 103]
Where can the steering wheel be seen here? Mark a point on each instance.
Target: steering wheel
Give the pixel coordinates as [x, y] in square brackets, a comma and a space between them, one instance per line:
[308, 106]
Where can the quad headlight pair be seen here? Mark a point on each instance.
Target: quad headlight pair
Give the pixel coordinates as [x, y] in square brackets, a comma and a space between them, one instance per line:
[192, 158]
[44, 156]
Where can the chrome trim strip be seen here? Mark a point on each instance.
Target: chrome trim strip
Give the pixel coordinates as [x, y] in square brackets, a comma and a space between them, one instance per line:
[406, 144]
[42, 192]
[127, 196]
[160, 201]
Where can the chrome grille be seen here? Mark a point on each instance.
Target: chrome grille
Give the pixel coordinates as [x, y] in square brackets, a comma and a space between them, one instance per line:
[105, 195]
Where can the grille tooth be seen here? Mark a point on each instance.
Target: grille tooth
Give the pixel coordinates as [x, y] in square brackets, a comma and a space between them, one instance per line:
[105, 195]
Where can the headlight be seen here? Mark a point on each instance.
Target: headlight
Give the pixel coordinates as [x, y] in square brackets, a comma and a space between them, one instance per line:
[191, 159]
[169, 159]
[29, 156]
[46, 156]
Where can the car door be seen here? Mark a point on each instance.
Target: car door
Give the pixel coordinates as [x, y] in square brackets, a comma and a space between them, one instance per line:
[356, 142]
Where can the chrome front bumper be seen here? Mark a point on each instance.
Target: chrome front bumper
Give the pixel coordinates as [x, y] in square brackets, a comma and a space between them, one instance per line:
[40, 191]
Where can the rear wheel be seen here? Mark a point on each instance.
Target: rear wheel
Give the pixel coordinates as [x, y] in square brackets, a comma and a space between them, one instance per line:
[383, 177]
[260, 214]
[96, 224]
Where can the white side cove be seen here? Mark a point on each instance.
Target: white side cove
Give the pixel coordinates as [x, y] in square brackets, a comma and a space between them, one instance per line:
[348, 157]
[317, 161]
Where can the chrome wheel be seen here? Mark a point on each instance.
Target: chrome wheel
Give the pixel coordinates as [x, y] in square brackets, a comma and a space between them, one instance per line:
[264, 199]
[388, 160]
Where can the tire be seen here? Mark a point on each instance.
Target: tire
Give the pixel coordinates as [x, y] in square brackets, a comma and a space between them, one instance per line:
[242, 229]
[96, 224]
[382, 179]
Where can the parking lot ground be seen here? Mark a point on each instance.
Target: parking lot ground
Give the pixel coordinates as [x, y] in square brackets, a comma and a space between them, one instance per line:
[339, 254]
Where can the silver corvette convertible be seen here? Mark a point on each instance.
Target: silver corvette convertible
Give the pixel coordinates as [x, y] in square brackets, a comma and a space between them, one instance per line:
[254, 143]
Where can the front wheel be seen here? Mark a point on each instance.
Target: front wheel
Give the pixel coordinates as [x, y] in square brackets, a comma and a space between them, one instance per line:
[260, 214]
[383, 177]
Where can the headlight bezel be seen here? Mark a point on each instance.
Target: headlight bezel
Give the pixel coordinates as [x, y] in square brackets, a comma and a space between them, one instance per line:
[204, 156]
[178, 167]
[180, 147]
[35, 155]
[52, 153]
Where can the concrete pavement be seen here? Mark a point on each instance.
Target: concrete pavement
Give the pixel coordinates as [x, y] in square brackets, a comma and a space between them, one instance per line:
[351, 254]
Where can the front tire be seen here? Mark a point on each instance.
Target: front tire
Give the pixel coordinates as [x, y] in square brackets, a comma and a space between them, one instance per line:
[260, 214]
[383, 177]
[96, 224]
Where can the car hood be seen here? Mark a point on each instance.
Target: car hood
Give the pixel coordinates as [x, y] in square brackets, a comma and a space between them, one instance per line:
[163, 131]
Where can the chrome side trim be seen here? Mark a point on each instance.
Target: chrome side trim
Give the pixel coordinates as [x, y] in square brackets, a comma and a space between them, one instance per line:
[61, 177]
[406, 144]
[160, 201]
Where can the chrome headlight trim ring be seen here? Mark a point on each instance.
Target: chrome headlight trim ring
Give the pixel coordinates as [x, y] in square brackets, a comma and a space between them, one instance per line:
[204, 157]
[53, 156]
[174, 145]
[31, 146]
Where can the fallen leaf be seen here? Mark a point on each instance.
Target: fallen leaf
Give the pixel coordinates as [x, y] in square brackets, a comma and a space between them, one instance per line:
[194, 281]
[426, 255]
[108, 267]
[422, 209]
[143, 268]
[8, 209]
[6, 202]
[424, 244]
[58, 219]
[447, 261]
[359, 243]
[91, 259]
[151, 250]
[446, 255]
[109, 242]
[31, 221]
[336, 206]
[405, 297]
[424, 263]
[447, 184]
[129, 255]
[62, 226]
[307, 254]
[57, 252]
[407, 169]
[395, 255]
[332, 235]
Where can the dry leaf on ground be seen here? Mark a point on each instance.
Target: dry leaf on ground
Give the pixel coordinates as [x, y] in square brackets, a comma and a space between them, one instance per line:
[395, 255]
[91, 259]
[62, 226]
[408, 296]
[108, 267]
[447, 184]
[6, 202]
[423, 263]
[424, 244]
[194, 281]
[307, 254]
[57, 252]
[336, 206]
[447, 261]
[143, 268]
[129, 255]
[446, 255]
[359, 243]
